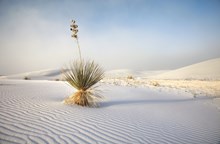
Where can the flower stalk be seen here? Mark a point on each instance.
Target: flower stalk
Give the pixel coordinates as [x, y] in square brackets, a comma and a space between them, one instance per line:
[73, 28]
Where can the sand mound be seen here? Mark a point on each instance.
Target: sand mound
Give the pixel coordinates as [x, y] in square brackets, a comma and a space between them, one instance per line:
[51, 74]
[121, 73]
[207, 70]
[32, 112]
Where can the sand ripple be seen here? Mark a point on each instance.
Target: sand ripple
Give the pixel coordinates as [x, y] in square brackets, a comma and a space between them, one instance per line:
[32, 112]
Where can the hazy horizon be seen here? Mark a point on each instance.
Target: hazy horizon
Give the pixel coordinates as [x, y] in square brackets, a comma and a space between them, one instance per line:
[122, 34]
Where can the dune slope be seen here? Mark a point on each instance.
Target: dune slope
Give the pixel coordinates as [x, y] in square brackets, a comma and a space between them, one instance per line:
[207, 70]
[51, 74]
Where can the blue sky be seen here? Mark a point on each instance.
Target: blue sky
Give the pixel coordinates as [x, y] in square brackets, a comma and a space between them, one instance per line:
[118, 34]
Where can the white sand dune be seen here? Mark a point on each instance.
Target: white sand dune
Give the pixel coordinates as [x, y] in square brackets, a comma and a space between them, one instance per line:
[207, 70]
[123, 73]
[32, 112]
[56, 74]
[50, 74]
[201, 79]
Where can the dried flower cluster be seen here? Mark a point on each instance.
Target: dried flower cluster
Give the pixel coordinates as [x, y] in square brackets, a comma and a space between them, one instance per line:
[73, 28]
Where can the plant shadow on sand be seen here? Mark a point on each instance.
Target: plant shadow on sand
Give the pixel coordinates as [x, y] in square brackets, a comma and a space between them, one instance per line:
[152, 101]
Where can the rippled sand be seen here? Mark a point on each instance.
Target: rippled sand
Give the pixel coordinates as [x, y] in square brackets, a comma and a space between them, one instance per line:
[32, 112]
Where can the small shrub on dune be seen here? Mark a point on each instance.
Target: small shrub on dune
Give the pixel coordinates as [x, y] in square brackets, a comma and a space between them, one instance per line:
[155, 83]
[83, 76]
[27, 78]
[130, 77]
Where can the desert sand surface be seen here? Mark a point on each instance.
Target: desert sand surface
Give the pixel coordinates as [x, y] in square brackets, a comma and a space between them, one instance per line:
[32, 112]
[138, 107]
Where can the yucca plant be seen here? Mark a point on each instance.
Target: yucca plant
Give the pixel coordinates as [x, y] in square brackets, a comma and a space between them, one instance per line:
[83, 76]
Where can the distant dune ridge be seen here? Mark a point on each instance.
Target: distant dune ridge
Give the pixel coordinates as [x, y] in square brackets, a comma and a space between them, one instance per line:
[207, 70]
[50, 74]
[122, 73]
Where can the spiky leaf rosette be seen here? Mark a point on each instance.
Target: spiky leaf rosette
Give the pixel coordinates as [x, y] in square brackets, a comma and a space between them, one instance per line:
[83, 76]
